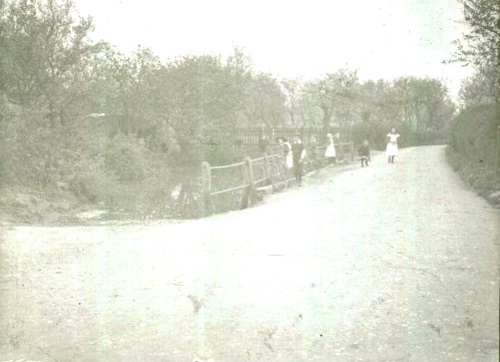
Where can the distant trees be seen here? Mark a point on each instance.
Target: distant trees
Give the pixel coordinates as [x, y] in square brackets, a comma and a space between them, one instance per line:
[196, 101]
[335, 94]
[72, 109]
[424, 103]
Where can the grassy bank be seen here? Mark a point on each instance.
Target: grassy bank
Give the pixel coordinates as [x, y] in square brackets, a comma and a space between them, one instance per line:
[473, 151]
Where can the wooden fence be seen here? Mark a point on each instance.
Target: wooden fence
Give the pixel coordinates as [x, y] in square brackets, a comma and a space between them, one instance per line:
[235, 186]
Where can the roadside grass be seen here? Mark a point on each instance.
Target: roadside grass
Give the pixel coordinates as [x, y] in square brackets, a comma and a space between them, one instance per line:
[473, 147]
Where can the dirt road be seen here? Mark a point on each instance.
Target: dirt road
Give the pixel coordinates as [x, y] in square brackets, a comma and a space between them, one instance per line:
[394, 262]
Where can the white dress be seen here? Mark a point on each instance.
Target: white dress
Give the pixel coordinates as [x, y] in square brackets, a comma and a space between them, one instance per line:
[330, 150]
[392, 145]
[289, 155]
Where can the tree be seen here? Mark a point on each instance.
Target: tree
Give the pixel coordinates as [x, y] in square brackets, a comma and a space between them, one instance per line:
[131, 83]
[45, 55]
[264, 101]
[481, 46]
[477, 89]
[380, 102]
[292, 89]
[335, 94]
[424, 104]
[45, 62]
[195, 100]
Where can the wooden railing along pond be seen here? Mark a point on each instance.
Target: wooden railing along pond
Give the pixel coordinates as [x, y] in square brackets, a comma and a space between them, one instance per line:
[237, 185]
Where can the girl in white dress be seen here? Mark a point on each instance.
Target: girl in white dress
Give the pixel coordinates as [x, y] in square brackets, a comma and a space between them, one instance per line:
[330, 153]
[286, 149]
[392, 145]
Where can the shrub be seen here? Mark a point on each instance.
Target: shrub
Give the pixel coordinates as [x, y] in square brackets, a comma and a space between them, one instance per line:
[374, 132]
[127, 157]
[474, 133]
[472, 148]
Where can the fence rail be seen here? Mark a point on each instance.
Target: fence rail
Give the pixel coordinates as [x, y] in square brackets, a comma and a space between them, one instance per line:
[234, 186]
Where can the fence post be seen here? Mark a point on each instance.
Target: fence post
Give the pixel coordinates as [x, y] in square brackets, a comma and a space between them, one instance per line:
[206, 189]
[268, 168]
[248, 164]
[249, 191]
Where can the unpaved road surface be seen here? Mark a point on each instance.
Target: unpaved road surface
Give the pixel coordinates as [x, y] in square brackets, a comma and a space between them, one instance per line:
[394, 262]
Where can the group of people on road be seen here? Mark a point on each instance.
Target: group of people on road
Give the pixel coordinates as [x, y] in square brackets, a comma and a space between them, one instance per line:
[391, 150]
[294, 153]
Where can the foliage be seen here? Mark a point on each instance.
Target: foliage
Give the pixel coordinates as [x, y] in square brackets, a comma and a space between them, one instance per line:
[424, 103]
[474, 133]
[129, 130]
[473, 149]
[481, 177]
[335, 94]
[45, 55]
[292, 89]
[127, 158]
[480, 48]
[481, 88]
[374, 132]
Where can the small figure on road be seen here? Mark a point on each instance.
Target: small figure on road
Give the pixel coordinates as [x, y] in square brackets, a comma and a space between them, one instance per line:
[392, 145]
[364, 153]
[299, 154]
[330, 153]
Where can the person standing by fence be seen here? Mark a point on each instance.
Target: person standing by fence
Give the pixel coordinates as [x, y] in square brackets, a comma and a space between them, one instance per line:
[298, 154]
[392, 145]
[330, 153]
[286, 148]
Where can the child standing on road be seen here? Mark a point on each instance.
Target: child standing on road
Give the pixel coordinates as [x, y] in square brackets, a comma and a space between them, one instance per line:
[392, 145]
[364, 153]
[330, 153]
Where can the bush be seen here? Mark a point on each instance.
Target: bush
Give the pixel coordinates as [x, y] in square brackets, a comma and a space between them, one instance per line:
[374, 132]
[127, 157]
[474, 134]
[32, 150]
[472, 148]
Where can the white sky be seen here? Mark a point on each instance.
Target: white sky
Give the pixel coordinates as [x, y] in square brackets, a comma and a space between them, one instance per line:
[294, 38]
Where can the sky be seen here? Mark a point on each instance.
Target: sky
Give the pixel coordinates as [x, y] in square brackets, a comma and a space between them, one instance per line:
[382, 39]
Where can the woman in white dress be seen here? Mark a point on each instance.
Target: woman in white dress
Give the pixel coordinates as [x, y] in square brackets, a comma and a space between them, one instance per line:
[392, 145]
[330, 153]
[286, 149]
